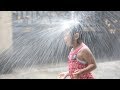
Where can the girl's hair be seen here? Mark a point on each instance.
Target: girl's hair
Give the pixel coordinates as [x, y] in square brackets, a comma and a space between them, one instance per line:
[74, 30]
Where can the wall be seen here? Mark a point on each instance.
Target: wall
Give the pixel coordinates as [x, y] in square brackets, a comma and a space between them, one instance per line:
[5, 30]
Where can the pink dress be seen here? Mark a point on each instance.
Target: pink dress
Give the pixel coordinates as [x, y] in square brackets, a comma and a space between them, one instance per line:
[74, 64]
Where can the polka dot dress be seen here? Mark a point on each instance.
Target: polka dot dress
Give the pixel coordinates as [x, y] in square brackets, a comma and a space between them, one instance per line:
[74, 64]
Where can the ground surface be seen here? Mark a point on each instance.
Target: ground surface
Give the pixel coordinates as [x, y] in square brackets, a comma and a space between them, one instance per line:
[106, 70]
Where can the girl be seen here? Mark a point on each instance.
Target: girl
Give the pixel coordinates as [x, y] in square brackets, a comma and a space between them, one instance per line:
[80, 59]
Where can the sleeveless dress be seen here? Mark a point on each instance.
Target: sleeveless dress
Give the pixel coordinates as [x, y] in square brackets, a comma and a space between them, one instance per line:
[74, 64]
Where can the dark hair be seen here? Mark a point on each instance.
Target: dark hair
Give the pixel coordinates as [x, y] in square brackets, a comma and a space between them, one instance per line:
[74, 30]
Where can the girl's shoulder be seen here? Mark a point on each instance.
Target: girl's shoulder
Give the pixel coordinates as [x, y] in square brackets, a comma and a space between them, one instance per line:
[85, 48]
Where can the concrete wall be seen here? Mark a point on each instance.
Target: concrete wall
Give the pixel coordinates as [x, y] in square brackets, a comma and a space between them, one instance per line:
[5, 30]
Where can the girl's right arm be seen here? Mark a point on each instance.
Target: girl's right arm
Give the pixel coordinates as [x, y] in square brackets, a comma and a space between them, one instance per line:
[63, 75]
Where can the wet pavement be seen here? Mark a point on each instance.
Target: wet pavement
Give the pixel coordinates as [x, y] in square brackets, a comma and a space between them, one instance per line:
[106, 70]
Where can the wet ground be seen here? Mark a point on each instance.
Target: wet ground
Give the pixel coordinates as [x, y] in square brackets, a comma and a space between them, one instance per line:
[106, 70]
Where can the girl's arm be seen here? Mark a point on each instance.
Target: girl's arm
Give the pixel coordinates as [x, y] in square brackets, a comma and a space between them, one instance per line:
[87, 56]
[64, 75]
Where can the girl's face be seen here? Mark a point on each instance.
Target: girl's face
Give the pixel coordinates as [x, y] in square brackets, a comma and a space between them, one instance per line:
[67, 39]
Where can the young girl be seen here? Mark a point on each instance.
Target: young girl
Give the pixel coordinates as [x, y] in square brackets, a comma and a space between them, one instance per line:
[80, 59]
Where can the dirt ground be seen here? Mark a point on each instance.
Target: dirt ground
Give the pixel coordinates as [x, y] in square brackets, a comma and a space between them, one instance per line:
[106, 70]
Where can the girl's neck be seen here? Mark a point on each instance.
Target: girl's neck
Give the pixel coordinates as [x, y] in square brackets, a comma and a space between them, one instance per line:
[75, 46]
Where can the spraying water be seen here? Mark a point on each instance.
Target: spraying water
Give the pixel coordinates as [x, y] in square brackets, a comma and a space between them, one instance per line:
[38, 39]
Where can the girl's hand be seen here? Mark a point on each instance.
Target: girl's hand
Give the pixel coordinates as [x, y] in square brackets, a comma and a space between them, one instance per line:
[63, 75]
[77, 74]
